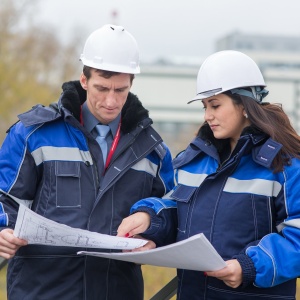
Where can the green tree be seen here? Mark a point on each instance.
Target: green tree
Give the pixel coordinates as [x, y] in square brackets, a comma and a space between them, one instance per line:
[33, 61]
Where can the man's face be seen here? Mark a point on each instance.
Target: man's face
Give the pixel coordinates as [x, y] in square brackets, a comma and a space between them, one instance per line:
[106, 96]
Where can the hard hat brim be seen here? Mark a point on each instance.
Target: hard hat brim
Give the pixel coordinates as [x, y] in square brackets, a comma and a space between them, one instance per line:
[206, 94]
[111, 67]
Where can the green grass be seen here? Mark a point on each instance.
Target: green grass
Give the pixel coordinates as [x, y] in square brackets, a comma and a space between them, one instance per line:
[155, 278]
[3, 284]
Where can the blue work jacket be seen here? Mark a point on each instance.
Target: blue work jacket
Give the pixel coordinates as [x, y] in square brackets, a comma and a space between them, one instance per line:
[246, 211]
[50, 159]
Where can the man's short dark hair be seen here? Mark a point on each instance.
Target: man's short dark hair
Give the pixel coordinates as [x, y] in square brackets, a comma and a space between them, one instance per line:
[106, 74]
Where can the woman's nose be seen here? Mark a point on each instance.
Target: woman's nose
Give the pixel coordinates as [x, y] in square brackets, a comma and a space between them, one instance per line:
[208, 115]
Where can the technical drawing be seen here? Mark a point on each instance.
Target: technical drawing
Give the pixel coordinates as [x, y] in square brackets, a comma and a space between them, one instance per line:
[40, 230]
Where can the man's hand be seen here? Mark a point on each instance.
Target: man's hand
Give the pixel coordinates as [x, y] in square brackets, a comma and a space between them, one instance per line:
[150, 245]
[9, 244]
[231, 275]
[134, 224]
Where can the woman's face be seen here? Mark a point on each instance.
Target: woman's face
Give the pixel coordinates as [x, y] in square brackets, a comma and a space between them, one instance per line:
[225, 118]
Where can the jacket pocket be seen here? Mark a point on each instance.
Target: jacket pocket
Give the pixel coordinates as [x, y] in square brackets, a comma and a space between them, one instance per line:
[183, 195]
[68, 190]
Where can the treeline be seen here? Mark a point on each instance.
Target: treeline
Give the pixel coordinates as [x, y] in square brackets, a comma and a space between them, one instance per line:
[33, 61]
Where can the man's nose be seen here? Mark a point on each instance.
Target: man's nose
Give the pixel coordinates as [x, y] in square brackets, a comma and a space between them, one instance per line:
[111, 97]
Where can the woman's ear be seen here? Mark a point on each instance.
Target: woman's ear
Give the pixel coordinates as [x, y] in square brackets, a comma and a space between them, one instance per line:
[245, 114]
[83, 81]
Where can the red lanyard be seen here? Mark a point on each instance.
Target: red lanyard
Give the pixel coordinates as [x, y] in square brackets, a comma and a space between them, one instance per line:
[113, 146]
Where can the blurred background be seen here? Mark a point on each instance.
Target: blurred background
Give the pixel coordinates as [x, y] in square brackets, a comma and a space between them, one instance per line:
[41, 41]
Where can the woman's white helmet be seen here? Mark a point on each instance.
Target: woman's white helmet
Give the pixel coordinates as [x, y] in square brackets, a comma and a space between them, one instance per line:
[111, 48]
[229, 71]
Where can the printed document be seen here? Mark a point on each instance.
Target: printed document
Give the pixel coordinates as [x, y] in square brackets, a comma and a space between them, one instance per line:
[39, 230]
[195, 253]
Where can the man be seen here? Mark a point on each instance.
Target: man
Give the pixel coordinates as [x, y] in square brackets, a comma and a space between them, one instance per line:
[52, 157]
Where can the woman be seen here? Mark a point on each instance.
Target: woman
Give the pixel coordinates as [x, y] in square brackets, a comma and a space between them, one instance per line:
[238, 183]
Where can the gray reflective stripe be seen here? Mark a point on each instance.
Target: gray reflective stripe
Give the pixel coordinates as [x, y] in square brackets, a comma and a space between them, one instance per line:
[27, 203]
[48, 153]
[292, 223]
[254, 186]
[146, 165]
[210, 92]
[167, 196]
[190, 179]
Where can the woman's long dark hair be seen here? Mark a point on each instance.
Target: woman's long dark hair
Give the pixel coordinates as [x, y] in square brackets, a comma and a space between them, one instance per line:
[272, 120]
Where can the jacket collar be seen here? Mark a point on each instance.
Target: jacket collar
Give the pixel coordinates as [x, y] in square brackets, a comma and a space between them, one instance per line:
[251, 132]
[263, 148]
[133, 113]
[69, 105]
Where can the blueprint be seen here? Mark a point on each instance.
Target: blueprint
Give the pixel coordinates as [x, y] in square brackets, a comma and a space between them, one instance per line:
[39, 230]
[195, 253]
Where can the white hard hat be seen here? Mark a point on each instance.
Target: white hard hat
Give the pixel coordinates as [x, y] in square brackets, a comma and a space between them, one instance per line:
[111, 48]
[228, 71]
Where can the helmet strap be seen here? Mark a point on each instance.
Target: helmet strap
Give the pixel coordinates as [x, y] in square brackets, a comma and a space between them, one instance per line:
[257, 93]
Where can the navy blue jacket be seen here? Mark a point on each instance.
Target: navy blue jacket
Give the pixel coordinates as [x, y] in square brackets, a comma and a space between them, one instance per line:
[246, 211]
[50, 159]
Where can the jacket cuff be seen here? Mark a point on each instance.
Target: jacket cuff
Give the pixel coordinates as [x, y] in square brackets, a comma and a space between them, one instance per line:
[248, 269]
[155, 224]
[155, 221]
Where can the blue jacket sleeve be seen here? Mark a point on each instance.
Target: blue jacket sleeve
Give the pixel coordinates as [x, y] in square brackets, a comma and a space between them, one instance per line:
[276, 257]
[163, 213]
[18, 174]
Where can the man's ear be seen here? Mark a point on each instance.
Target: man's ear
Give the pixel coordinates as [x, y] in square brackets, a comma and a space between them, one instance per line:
[83, 81]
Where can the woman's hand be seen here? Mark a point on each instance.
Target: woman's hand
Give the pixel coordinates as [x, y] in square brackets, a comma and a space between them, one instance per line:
[9, 244]
[134, 224]
[232, 274]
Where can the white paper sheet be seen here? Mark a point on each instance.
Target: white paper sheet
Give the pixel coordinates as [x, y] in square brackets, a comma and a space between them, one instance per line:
[195, 253]
[39, 230]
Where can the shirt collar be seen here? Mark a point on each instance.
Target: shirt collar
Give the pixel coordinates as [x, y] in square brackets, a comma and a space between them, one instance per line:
[90, 121]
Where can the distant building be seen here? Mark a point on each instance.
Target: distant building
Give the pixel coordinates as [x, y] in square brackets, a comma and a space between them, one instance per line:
[276, 55]
[259, 43]
[279, 60]
[166, 86]
[165, 90]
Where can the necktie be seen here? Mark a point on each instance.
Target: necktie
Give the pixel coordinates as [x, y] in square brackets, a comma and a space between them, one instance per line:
[102, 131]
